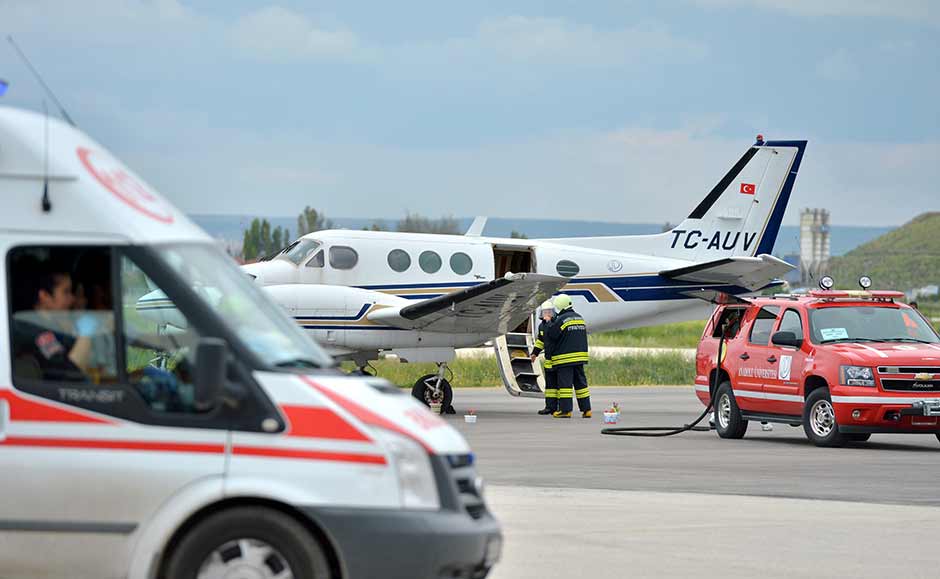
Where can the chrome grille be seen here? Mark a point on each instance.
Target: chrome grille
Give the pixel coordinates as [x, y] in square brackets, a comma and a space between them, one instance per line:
[908, 370]
[904, 385]
[469, 485]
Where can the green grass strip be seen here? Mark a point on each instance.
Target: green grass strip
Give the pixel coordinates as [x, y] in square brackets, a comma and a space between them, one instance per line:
[678, 335]
[640, 370]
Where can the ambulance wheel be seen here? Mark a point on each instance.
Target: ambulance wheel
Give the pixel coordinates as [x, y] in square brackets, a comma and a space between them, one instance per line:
[819, 420]
[858, 436]
[728, 420]
[248, 542]
[423, 390]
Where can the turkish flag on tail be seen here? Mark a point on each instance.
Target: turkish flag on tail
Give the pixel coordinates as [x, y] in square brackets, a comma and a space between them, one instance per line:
[748, 188]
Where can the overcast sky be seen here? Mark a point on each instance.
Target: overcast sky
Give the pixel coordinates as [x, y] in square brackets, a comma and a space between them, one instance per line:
[604, 110]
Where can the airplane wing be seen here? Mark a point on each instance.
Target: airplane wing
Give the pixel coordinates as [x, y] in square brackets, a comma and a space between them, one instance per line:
[494, 307]
[750, 272]
[719, 298]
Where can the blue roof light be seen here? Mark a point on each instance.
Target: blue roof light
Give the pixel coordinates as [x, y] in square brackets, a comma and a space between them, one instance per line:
[3, 86]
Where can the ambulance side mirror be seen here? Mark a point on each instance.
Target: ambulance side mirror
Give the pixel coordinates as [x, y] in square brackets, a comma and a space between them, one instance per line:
[786, 339]
[209, 378]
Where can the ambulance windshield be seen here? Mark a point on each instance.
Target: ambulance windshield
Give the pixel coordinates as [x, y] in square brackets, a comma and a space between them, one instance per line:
[262, 325]
[869, 324]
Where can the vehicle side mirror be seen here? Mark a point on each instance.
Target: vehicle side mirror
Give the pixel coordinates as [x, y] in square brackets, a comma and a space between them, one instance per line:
[211, 365]
[786, 339]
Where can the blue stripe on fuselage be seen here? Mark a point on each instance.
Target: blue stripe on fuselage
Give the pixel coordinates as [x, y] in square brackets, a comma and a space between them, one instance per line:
[630, 288]
[361, 313]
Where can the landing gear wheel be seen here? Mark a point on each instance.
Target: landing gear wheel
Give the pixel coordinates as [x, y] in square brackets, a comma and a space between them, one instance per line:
[728, 420]
[248, 542]
[819, 420]
[857, 437]
[423, 390]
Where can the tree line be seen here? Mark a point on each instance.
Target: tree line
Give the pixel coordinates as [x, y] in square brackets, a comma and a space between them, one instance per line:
[260, 240]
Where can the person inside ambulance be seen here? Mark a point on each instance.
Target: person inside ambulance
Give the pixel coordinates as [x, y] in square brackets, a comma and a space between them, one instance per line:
[47, 344]
[93, 297]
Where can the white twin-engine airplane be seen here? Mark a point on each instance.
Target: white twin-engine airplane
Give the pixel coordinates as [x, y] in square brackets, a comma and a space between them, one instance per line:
[420, 296]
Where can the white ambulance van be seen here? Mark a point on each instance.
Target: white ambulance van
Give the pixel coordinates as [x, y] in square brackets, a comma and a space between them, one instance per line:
[222, 445]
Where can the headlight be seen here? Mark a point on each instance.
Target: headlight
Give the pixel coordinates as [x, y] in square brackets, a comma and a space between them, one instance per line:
[413, 468]
[856, 376]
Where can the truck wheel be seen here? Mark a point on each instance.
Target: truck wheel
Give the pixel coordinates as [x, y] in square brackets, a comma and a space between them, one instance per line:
[423, 390]
[728, 420]
[248, 542]
[857, 437]
[819, 420]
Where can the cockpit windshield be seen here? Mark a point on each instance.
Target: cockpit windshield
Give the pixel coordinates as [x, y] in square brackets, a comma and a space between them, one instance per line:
[299, 251]
[264, 327]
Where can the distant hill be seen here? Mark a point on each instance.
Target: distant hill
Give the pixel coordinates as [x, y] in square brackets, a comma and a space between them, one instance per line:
[842, 240]
[903, 259]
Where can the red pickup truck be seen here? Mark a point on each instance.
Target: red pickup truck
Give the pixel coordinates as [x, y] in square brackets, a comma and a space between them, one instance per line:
[843, 364]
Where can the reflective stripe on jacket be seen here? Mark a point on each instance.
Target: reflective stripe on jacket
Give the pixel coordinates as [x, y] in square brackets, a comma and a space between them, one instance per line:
[543, 344]
[569, 334]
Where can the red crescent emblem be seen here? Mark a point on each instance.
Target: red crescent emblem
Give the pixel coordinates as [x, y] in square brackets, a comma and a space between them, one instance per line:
[125, 187]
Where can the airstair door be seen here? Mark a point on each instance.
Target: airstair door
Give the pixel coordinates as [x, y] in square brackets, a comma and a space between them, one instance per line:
[521, 376]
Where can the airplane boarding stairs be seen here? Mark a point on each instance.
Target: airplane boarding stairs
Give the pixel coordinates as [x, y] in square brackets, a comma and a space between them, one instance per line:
[521, 376]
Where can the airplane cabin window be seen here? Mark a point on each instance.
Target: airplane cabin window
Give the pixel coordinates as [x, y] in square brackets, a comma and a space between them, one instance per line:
[461, 263]
[399, 260]
[342, 257]
[567, 268]
[429, 261]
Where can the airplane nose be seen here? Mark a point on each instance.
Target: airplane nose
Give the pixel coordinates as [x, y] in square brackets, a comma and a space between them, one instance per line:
[273, 272]
[255, 272]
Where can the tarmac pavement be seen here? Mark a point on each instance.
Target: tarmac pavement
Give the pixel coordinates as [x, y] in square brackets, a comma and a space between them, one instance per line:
[574, 502]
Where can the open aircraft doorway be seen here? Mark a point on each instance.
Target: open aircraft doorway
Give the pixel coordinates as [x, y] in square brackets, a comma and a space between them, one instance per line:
[521, 376]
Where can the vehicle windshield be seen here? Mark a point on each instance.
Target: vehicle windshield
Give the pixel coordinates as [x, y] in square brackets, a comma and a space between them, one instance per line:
[263, 326]
[299, 251]
[869, 324]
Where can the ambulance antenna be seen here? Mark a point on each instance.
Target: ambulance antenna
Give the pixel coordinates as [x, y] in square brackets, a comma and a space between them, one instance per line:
[46, 203]
[45, 87]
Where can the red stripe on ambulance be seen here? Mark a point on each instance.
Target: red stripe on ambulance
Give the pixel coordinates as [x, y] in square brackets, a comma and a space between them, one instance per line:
[96, 444]
[320, 423]
[363, 413]
[25, 410]
[191, 447]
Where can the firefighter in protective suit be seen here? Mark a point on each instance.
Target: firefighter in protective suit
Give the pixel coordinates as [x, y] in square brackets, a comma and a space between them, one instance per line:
[543, 344]
[568, 334]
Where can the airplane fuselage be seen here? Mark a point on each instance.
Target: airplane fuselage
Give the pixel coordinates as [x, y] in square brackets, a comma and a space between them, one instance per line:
[334, 281]
[611, 290]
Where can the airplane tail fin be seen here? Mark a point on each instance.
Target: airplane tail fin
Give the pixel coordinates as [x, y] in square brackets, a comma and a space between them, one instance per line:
[740, 216]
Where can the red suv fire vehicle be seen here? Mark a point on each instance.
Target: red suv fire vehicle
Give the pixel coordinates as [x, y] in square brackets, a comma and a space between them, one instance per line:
[843, 364]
